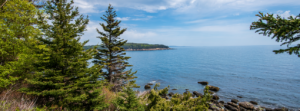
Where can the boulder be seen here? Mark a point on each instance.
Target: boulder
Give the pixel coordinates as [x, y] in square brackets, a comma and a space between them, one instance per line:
[239, 96]
[246, 105]
[213, 88]
[174, 89]
[253, 102]
[231, 108]
[203, 82]
[243, 109]
[197, 94]
[234, 101]
[214, 107]
[150, 83]
[233, 104]
[222, 102]
[280, 109]
[147, 86]
[171, 94]
[186, 92]
[211, 92]
[215, 97]
[193, 95]
[268, 109]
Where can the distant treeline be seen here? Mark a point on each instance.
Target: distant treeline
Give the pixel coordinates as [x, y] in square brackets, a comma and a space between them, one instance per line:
[135, 46]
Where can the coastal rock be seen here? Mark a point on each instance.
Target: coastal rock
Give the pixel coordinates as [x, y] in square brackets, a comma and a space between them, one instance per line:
[234, 101]
[253, 102]
[174, 89]
[197, 94]
[233, 104]
[280, 109]
[203, 82]
[214, 107]
[243, 109]
[246, 105]
[231, 108]
[215, 97]
[268, 109]
[211, 92]
[150, 83]
[171, 94]
[213, 88]
[222, 102]
[186, 92]
[239, 96]
[147, 86]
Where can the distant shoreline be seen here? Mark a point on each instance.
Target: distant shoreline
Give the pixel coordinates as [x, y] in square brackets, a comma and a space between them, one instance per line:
[148, 49]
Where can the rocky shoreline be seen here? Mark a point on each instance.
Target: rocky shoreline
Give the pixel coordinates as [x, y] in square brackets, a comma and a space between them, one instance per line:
[148, 49]
[233, 105]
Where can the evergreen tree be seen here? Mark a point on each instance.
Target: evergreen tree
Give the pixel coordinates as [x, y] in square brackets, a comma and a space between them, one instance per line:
[111, 54]
[62, 78]
[284, 30]
[16, 35]
[128, 101]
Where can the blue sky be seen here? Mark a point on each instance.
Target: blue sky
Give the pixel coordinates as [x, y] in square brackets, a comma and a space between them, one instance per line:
[187, 22]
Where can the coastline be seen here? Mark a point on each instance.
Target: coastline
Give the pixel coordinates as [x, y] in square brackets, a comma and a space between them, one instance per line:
[151, 49]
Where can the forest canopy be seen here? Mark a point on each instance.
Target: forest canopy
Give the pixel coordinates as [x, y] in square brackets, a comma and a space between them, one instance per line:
[134, 46]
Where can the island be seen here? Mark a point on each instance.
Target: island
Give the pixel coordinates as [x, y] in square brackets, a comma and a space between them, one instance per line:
[137, 47]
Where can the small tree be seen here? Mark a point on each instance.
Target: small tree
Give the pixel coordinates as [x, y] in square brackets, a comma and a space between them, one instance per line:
[111, 54]
[16, 34]
[284, 30]
[62, 78]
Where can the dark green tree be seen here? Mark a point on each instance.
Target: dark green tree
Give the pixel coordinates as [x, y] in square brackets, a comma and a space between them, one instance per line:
[62, 78]
[112, 54]
[283, 30]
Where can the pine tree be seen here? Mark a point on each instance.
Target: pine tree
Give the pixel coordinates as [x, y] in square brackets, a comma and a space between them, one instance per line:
[112, 54]
[284, 30]
[63, 78]
[16, 35]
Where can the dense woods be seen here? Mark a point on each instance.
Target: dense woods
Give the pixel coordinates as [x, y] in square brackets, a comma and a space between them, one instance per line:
[133, 46]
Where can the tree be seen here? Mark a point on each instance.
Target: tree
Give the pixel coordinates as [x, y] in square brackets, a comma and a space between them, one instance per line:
[62, 78]
[284, 30]
[16, 35]
[112, 53]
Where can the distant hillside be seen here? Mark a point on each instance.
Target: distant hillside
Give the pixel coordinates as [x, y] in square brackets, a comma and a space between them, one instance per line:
[136, 46]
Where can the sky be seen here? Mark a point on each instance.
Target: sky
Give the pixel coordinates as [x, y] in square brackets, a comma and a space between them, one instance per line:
[186, 22]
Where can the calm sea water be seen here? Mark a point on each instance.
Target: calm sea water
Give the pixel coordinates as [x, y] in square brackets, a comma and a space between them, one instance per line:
[253, 72]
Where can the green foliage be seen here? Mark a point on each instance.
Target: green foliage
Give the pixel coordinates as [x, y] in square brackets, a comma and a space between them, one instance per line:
[284, 30]
[16, 34]
[178, 102]
[128, 101]
[143, 46]
[62, 78]
[132, 46]
[112, 54]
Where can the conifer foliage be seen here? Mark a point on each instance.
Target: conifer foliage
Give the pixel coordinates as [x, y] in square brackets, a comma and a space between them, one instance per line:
[284, 30]
[62, 78]
[16, 34]
[112, 55]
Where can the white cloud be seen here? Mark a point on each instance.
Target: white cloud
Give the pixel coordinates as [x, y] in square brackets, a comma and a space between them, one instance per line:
[144, 18]
[285, 14]
[86, 6]
[134, 34]
[123, 18]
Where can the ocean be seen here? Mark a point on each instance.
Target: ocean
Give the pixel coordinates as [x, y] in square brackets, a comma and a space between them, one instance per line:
[253, 72]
